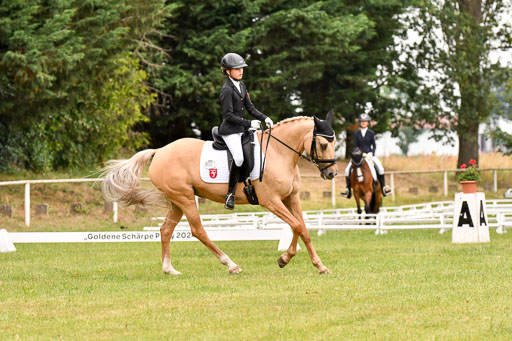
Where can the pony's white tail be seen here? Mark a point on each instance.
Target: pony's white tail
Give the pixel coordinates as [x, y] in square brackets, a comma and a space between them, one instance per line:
[122, 181]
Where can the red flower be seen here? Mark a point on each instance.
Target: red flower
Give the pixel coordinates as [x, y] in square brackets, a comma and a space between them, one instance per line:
[463, 166]
[472, 162]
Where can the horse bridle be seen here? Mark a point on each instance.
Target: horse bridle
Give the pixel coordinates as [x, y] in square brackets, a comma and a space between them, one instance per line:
[313, 158]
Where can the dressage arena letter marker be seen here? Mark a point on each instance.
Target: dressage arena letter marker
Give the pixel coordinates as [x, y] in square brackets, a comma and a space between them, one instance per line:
[465, 216]
[470, 219]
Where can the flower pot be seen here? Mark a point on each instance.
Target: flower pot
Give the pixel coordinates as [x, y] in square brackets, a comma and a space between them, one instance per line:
[468, 186]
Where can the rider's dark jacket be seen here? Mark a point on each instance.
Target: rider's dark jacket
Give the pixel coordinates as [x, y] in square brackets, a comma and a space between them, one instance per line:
[367, 143]
[234, 104]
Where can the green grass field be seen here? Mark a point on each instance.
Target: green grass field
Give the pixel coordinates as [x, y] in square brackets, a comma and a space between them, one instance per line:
[406, 285]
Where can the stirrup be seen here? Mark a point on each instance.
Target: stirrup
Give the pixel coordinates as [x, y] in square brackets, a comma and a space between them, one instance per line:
[346, 193]
[386, 190]
[230, 201]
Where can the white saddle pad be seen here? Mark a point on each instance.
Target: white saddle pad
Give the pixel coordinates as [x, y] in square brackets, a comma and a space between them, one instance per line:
[214, 164]
[372, 169]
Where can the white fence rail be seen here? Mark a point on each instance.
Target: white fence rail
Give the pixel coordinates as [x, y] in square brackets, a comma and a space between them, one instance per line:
[436, 215]
[391, 174]
[266, 226]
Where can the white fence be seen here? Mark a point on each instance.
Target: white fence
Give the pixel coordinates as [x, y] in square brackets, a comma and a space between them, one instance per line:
[27, 183]
[435, 215]
[266, 226]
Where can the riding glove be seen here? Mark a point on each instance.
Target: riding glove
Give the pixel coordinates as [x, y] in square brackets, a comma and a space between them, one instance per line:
[255, 124]
[269, 123]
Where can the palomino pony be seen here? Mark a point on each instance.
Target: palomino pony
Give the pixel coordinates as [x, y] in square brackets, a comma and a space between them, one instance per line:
[174, 171]
[363, 186]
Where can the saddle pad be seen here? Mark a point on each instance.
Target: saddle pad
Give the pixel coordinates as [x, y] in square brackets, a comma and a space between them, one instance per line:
[214, 164]
[372, 169]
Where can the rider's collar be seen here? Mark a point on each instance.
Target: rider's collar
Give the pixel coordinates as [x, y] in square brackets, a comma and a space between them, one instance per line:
[363, 131]
[236, 82]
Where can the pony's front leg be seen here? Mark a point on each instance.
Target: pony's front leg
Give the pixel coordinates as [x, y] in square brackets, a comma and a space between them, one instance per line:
[367, 200]
[292, 203]
[279, 209]
[166, 230]
[359, 211]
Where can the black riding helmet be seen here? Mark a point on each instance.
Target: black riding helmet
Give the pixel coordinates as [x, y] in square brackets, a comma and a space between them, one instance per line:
[232, 61]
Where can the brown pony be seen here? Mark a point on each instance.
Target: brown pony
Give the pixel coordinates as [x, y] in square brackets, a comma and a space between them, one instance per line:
[174, 171]
[363, 186]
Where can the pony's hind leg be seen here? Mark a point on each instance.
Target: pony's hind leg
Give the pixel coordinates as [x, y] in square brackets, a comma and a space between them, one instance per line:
[190, 209]
[166, 230]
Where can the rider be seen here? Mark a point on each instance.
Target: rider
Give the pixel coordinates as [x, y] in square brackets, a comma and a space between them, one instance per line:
[234, 97]
[364, 139]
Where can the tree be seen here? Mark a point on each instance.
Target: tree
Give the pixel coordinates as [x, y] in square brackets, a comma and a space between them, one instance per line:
[406, 136]
[70, 86]
[500, 137]
[456, 37]
[304, 57]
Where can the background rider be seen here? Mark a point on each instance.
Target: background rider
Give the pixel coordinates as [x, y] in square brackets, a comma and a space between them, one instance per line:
[364, 139]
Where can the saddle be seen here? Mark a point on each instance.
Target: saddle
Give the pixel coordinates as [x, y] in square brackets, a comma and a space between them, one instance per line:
[357, 159]
[247, 166]
[247, 147]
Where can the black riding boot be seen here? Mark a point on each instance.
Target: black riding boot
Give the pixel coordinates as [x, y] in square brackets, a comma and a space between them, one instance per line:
[348, 194]
[234, 173]
[382, 180]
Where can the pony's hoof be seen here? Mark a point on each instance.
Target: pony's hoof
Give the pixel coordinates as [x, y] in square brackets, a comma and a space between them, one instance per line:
[235, 270]
[281, 262]
[172, 272]
[324, 272]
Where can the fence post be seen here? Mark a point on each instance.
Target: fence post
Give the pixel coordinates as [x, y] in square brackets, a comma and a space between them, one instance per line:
[114, 208]
[495, 180]
[392, 181]
[445, 183]
[27, 203]
[333, 192]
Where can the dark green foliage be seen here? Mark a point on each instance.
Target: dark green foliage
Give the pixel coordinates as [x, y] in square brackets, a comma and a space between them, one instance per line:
[406, 136]
[304, 57]
[70, 87]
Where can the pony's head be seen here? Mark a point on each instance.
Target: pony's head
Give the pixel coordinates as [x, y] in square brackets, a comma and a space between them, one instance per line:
[357, 156]
[321, 148]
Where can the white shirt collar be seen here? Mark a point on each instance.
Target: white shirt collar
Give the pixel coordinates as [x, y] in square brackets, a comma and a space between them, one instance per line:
[363, 131]
[237, 84]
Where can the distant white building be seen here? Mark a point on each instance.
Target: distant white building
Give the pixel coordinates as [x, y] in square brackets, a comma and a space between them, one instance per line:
[387, 145]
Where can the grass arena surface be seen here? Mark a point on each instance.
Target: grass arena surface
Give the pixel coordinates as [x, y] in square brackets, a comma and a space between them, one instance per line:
[400, 286]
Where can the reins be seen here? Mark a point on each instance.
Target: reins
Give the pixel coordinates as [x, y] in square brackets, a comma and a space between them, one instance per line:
[314, 160]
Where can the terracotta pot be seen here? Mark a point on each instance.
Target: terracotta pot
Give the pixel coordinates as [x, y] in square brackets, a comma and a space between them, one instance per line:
[468, 186]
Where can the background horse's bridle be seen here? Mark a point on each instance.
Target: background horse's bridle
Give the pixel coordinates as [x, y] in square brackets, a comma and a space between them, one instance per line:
[313, 158]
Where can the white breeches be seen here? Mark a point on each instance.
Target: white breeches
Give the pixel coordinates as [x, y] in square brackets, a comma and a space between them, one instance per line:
[234, 143]
[378, 165]
[376, 161]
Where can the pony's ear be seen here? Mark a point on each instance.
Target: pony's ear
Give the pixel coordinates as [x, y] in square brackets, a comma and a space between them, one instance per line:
[329, 116]
[317, 120]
